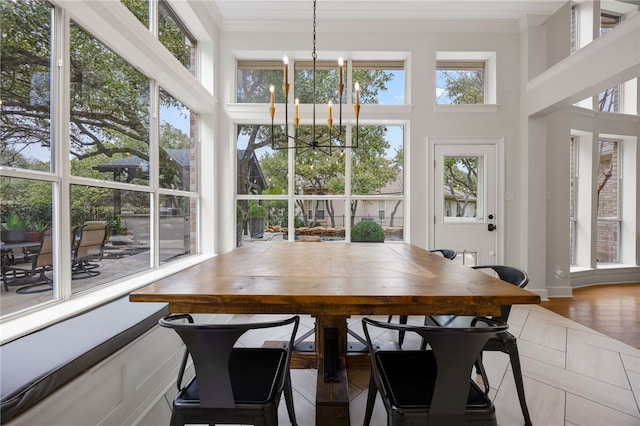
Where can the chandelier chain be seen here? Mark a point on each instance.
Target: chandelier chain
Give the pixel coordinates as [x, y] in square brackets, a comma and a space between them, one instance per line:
[313, 54]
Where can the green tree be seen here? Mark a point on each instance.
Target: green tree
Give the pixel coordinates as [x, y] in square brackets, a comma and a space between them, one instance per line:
[461, 177]
[465, 86]
[109, 98]
[317, 173]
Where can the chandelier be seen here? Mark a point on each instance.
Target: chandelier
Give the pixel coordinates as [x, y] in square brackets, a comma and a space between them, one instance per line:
[329, 142]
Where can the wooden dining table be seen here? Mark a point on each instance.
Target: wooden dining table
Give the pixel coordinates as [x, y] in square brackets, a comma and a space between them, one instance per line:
[332, 281]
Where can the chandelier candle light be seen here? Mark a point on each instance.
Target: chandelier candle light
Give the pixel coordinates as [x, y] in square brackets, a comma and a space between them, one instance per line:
[332, 141]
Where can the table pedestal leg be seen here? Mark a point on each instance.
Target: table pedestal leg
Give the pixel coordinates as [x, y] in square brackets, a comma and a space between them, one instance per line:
[332, 391]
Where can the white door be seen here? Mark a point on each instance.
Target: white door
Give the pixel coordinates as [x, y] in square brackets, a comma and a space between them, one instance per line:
[465, 206]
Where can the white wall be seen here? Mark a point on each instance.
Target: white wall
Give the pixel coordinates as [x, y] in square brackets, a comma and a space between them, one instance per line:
[421, 121]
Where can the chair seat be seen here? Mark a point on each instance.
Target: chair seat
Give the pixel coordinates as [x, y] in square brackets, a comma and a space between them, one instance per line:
[409, 378]
[254, 374]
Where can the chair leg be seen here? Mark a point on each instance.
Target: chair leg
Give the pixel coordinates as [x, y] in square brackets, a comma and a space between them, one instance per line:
[403, 320]
[517, 377]
[176, 418]
[371, 400]
[288, 399]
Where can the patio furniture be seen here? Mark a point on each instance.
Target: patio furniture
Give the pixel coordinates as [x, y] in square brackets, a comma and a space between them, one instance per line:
[89, 248]
[23, 273]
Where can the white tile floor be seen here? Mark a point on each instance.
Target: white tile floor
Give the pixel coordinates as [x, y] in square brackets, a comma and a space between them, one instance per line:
[572, 376]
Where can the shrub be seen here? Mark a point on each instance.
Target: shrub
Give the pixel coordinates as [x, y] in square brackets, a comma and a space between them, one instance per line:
[367, 231]
[256, 211]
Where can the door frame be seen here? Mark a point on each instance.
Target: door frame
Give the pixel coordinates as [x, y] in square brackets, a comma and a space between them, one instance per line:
[499, 189]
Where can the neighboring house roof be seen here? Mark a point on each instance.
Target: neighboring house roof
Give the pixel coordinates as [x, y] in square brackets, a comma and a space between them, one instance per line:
[256, 180]
[394, 187]
[180, 156]
[457, 195]
[131, 161]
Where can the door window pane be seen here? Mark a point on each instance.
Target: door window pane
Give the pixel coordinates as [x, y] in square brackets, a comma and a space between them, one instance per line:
[461, 187]
[109, 113]
[25, 54]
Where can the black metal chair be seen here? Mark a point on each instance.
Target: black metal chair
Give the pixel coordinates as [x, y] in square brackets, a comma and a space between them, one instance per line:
[430, 386]
[232, 384]
[447, 254]
[503, 342]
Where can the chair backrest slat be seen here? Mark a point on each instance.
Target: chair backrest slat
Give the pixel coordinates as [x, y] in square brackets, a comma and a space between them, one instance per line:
[211, 345]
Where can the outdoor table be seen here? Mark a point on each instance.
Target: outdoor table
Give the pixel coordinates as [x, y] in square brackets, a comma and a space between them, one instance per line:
[332, 281]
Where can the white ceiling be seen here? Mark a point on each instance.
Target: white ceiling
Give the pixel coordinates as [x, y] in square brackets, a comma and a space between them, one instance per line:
[292, 15]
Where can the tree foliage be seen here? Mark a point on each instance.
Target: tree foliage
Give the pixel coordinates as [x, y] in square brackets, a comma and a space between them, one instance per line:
[317, 172]
[461, 180]
[464, 86]
[109, 107]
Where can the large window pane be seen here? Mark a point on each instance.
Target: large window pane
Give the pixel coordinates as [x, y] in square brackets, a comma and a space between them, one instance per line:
[254, 79]
[127, 248]
[377, 163]
[319, 171]
[326, 82]
[173, 34]
[25, 54]
[380, 82]
[572, 197]
[25, 215]
[177, 147]
[177, 227]
[322, 219]
[109, 113]
[140, 8]
[609, 99]
[260, 168]
[261, 220]
[460, 82]
[608, 201]
[388, 213]
[608, 233]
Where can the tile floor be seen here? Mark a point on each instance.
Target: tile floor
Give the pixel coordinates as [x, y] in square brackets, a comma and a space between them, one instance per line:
[573, 376]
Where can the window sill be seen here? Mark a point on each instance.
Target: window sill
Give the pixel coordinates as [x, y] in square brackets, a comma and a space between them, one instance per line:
[456, 109]
[51, 313]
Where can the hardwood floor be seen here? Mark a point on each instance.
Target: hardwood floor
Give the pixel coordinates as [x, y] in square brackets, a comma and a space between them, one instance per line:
[612, 309]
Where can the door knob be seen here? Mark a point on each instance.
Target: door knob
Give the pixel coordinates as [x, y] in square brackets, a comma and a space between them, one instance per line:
[491, 227]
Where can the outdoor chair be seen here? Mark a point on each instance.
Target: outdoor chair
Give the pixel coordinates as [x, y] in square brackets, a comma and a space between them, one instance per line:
[447, 254]
[503, 342]
[23, 273]
[430, 386]
[88, 248]
[232, 384]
